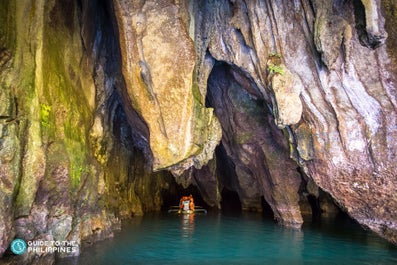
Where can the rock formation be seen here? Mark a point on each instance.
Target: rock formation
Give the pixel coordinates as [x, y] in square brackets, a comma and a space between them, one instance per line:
[71, 166]
[258, 150]
[105, 105]
[330, 55]
[158, 63]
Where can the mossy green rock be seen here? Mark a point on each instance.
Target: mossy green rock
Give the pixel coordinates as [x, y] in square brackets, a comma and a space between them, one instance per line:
[47, 108]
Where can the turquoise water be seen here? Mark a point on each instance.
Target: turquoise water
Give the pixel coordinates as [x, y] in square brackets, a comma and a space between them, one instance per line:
[243, 239]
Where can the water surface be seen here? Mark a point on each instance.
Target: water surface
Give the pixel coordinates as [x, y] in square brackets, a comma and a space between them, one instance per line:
[240, 239]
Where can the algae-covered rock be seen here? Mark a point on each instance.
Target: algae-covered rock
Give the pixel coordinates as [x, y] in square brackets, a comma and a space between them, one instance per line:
[95, 95]
[48, 94]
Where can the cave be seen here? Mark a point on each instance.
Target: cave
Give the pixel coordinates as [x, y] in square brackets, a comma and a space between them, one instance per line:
[111, 111]
[266, 209]
[172, 195]
[254, 151]
[315, 206]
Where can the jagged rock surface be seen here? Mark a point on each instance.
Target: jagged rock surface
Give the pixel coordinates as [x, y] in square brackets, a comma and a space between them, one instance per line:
[158, 62]
[96, 94]
[64, 129]
[257, 148]
[345, 139]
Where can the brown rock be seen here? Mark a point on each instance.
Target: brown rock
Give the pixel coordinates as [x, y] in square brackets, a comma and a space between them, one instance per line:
[346, 138]
[158, 61]
[258, 150]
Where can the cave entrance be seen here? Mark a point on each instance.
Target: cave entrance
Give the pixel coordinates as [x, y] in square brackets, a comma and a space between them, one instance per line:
[230, 203]
[172, 196]
[267, 211]
[315, 206]
[230, 200]
[247, 138]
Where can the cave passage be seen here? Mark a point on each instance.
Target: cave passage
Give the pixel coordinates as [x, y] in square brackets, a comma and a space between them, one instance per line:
[253, 161]
[240, 159]
[102, 116]
[171, 196]
[230, 203]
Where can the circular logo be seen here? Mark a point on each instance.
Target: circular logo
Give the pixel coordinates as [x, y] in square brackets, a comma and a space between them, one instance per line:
[18, 246]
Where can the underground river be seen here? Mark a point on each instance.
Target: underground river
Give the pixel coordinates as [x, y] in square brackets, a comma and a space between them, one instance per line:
[245, 238]
[270, 113]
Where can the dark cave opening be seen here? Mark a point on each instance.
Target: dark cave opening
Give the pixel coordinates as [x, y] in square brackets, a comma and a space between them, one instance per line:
[230, 203]
[366, 38]
[174, 193]
[314, 202]
[230, 200]
[234, 96]
[230, 93]
[239, 106]
[267, 211]
[315, 206]
[133, 157]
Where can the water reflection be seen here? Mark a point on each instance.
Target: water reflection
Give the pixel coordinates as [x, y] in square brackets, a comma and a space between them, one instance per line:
[292, 243]
[187, 225]
[244, 239]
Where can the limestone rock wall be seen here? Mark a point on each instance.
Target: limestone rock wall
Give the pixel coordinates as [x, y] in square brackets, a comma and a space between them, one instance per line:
[71, 165]
[50, 174]
[96, 95]
[258, 150]
[327, 72]
[158, 64]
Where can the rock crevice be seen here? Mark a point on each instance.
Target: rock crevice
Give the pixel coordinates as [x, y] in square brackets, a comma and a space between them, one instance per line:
[105, 105]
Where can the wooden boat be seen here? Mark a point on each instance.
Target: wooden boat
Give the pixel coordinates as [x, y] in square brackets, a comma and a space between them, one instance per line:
[197, 209]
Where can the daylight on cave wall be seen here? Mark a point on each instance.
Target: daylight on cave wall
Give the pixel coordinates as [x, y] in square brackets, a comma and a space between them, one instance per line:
[278, 117]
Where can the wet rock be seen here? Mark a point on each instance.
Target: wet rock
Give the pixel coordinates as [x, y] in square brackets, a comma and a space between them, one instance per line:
[47, 168]
[131, 186]
[257, 148]
[88, 110]
[287, 107]
[9, 172]
[341, 136]
[331, 31]
[207, 182]
[158, 61]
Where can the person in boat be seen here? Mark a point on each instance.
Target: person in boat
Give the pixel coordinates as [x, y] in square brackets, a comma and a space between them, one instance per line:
[186, 203]
[191, 203]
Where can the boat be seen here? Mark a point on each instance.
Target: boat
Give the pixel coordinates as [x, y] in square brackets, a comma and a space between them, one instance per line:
[197, 210]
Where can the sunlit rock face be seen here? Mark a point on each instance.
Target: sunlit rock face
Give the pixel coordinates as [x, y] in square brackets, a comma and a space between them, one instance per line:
[342, 75]
[63, 128]
[95, 95]
[158, 60]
